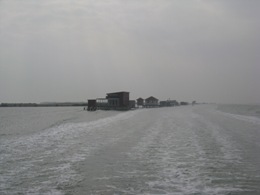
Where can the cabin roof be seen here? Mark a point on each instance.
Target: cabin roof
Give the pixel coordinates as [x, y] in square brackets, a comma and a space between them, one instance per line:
[117, 92]
[151, 98]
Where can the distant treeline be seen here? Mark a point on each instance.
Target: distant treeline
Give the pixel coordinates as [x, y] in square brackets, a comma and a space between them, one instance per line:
[43, 104]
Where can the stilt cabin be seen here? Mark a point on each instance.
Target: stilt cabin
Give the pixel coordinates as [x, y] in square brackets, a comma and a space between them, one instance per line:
[92, 105]
[151, 102]
[118, 100]
[140, 102]
[113, 101]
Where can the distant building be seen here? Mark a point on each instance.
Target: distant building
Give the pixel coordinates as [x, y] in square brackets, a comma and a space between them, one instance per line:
[164, 103]
[151, 102]
[169, 103]
[113, 101]
[102, 104]
[118, 100]
[92, 105]
[173, 103]
[132, 104]
[184, 103]
[140, 102]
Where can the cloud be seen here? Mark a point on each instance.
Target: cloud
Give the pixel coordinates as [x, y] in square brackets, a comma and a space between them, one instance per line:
[198, 49]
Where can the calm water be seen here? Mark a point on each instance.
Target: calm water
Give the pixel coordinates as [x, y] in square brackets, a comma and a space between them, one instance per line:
[202, 149]
[248, 110]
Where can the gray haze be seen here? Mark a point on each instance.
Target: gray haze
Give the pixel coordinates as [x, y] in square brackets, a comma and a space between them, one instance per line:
[66, 50]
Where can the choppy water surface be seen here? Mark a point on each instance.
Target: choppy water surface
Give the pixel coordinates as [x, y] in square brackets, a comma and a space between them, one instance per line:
[180, 150]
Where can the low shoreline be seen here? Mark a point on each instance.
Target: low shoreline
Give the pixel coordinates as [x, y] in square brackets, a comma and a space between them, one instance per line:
[41, 105]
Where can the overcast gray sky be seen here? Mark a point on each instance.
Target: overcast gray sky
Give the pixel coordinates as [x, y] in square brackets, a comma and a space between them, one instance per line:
[67, 50]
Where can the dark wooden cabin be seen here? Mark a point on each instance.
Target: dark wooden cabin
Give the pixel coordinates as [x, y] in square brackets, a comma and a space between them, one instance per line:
[151, 102]
[92, 105]
[140, 102]
[118, 100]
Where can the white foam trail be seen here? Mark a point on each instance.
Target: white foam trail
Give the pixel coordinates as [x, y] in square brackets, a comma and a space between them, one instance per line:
[47, 157]
[176, 161]
[250, 119]
[227, 146]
